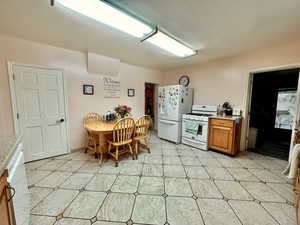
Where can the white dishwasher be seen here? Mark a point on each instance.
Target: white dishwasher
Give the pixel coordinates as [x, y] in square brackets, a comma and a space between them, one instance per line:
[18, 181]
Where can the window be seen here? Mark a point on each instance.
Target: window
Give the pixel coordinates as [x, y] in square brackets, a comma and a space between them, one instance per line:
[285, 110]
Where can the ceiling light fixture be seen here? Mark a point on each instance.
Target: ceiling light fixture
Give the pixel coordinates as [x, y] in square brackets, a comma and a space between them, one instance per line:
[170, 44]
[107, 14]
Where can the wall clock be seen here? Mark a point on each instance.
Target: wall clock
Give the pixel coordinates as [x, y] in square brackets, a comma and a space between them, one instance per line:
[184, 80]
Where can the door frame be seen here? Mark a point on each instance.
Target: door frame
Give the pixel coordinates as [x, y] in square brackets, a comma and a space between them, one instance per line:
[13, 97]
[155, 107]
[249, 98]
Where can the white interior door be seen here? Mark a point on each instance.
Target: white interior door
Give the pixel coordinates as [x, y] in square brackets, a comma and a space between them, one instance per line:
[41, 111]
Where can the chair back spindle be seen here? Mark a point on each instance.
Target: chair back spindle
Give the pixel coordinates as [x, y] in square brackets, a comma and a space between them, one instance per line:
[91, 117]
[142, 126]
[92, 140]
[123, 130]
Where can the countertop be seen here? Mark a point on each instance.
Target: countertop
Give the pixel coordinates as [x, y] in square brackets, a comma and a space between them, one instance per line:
[235, 118]
[8, 145]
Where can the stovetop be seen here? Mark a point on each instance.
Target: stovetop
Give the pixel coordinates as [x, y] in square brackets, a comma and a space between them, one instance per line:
[194, 116]
[199, 114]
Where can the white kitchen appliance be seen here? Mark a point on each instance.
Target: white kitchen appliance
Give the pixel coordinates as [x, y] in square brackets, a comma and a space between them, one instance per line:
[195, 126]
[173, 101]
[18, 181]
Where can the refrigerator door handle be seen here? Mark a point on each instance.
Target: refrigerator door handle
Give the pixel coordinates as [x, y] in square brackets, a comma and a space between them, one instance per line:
[168, 122]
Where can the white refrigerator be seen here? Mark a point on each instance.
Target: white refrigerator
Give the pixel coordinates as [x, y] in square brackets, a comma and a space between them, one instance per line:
[173, 101]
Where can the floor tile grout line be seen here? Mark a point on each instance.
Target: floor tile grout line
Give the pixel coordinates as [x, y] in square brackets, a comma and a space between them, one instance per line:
[190, 185]
[267, 211]
[249, 169]
[185, 170]
[109, 190]
[166, 210]
[261, 181]
[234, 212]
[58, 187]
[41, 178]
[31, 208]
[273, 189]
[93, 175]
[135, 197]
[213, 181]
[202, 217]
[253, 198]
[62, 213]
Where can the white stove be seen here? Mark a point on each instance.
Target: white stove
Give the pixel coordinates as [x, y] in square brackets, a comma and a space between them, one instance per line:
[195, 126]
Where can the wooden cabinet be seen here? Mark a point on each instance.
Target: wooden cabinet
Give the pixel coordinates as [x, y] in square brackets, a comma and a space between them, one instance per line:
[297, 191]
[224, 135]
[6, 207]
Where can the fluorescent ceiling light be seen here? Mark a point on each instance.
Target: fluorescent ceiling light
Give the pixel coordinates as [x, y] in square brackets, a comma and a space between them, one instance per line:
[169, 44]
[105, 13]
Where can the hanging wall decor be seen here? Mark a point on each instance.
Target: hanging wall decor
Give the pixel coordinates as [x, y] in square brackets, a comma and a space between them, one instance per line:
[88, 89]
[111, 87]
[131, 92]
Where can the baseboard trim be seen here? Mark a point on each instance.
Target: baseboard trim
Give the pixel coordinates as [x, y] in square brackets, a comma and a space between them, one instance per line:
[77, 149]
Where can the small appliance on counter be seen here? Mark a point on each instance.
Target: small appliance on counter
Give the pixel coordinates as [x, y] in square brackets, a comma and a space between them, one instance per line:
[237, 112]
[195, 126]
[227, 109]
[173, 101]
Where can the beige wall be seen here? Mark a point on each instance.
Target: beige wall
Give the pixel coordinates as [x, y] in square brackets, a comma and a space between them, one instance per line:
[74, 65]
[227, 79]
[214, 82]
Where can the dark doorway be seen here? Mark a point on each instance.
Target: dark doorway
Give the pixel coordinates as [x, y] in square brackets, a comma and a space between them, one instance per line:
[149, 100]
[273, 107]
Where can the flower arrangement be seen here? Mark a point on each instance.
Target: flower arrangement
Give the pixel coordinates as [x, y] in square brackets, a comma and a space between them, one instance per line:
[123, 110]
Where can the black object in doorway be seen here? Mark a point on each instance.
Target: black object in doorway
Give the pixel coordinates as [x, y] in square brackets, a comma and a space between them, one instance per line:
[273, 108]
[149, 100]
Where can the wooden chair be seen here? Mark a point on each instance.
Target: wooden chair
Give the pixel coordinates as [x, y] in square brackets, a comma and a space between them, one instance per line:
[92, 140]
[122, 136]
[141, 133]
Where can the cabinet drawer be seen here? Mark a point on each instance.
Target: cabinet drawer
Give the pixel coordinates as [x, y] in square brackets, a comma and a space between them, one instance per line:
[223, 123]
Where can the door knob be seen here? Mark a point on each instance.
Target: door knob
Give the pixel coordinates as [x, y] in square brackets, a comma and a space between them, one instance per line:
[60, 121]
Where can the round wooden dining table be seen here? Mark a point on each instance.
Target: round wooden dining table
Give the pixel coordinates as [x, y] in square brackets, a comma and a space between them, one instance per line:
[102, 129]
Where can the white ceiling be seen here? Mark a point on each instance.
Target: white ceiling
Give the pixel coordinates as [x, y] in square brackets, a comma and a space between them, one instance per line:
[217, 28]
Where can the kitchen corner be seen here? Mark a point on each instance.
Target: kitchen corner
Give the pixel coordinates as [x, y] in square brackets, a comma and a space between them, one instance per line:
[8, 145]
[13, 183]
[225, 134]
[237, 119]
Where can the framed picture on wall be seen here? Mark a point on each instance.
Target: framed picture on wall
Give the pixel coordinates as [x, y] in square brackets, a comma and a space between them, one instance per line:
[88, 89]
[131, 92]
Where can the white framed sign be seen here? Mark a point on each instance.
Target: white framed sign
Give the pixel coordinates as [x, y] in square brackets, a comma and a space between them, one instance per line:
[111, 87]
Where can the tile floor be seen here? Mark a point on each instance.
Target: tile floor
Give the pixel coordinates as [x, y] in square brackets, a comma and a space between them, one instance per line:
[174, 185]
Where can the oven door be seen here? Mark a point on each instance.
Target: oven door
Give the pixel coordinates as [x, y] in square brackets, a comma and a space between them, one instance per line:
[200, 135]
